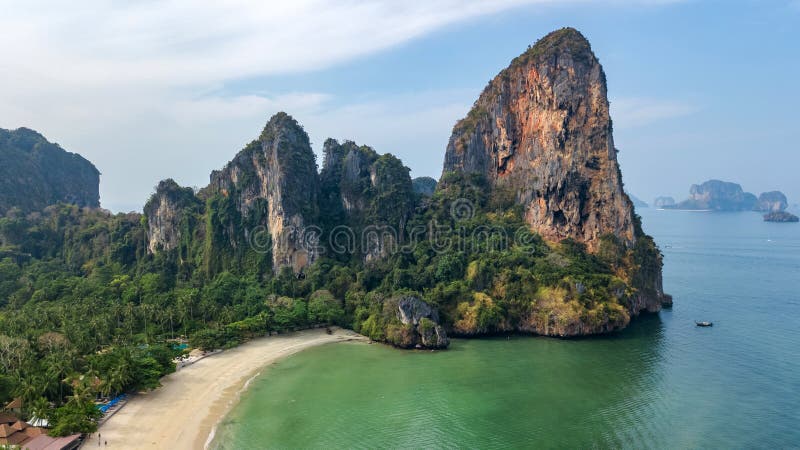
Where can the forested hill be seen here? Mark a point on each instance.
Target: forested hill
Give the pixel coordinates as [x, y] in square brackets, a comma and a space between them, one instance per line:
[35, 173]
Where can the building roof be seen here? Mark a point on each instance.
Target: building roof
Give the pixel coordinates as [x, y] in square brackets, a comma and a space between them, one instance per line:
[14, 439]
[34, 431]
[45, 442]
[14, 404]
[16, 432]
[6, 430]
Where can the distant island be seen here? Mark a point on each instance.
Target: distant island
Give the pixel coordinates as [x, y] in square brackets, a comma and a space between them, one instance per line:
[717, 195]
[637, 202]
[664, 202]
[772, 201]
[781, 216]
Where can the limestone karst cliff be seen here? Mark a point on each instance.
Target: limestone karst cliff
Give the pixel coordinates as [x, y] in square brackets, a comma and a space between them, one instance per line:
[365, 191]
[275, 179]
[170, 214]
[35, 173]
[533, 159]
[542, 128]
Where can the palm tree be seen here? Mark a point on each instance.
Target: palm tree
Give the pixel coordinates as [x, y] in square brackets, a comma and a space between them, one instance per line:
[119, 378]
[30, 388]
[40, 408]
[82, 392]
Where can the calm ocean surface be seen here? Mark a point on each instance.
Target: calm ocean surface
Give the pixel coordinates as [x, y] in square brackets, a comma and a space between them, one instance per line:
[662, 383]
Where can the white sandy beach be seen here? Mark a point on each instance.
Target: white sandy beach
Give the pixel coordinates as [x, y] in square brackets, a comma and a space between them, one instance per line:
[182, 413]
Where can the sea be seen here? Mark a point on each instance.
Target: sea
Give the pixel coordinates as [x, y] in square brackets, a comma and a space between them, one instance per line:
[661, 383]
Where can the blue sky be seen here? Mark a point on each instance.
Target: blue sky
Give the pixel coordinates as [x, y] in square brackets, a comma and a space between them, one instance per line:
[699, 89]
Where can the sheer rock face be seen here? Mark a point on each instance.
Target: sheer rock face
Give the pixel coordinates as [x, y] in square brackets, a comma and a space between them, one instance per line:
[349, 174]
[773, 201]
[542, 128]
[279, 167]
[35, 173]
[166, 212]
[370, 193]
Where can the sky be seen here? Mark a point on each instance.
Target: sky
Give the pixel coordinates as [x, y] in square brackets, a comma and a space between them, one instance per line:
[149, 90]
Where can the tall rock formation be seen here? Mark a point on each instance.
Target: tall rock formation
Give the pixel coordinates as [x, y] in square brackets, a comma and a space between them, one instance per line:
[370, 193]
[170, 213]
[542, 128]
[274, 180]
[773, 201]
[35, 173]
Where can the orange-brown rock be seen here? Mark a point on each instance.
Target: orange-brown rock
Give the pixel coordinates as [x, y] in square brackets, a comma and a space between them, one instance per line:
[542, 128]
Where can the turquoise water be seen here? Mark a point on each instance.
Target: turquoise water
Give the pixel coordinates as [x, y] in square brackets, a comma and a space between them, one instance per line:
[662, 383]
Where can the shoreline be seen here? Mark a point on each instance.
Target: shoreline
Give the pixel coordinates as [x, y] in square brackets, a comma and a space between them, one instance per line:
[233, 402]
[184, 412]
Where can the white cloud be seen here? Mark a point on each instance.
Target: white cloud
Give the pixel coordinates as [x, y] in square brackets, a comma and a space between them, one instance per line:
[134, 86]
[179, 41]
[637, 112]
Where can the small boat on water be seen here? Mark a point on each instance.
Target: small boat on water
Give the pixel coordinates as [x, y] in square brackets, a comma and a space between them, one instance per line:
[704, 324]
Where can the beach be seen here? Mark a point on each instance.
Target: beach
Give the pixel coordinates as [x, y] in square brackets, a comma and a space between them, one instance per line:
[183, 412]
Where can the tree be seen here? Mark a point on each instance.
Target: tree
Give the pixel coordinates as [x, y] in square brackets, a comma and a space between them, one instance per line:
[324, 308]
[74, 417]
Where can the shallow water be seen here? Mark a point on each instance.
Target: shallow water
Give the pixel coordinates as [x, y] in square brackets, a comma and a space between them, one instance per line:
[662, 383]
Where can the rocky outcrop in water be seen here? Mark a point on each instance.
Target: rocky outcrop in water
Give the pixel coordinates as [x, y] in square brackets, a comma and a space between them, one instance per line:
[35, 173]
[422, 322]
[716, 195]
[542, 128]
[772, 201]
[780, 216]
